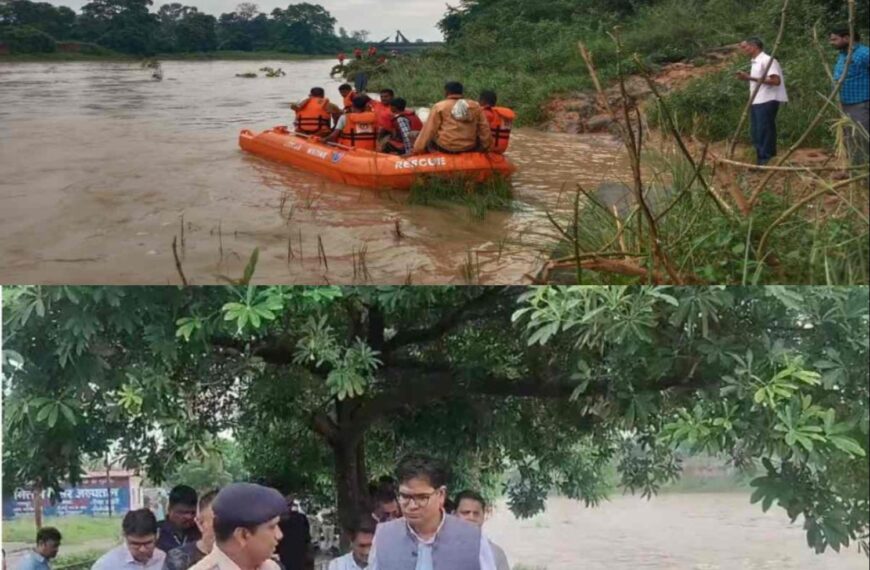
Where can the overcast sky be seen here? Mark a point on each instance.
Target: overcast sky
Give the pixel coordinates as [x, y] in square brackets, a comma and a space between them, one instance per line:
[416, 18]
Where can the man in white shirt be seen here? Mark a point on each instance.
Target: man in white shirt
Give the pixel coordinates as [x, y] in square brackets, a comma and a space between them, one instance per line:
[471, 507]
[426, 537]
[139, 551]
[767, 79]
[362, 536]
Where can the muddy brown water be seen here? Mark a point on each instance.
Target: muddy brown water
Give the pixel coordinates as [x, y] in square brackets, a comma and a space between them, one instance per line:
[704, 531]
[100, 165]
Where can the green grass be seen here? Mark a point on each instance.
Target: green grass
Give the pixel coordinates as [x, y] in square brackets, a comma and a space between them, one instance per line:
[807, 248]
[75, 529]
[479, 198]
[79, 561]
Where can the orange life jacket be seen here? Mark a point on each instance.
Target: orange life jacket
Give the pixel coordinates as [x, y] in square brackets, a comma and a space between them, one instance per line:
[348, 101]
[384, 114]
[501, 121]
[396, 140]
[360, 131]
[314, 118]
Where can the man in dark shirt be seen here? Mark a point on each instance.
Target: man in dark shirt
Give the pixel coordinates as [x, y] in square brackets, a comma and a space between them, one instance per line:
[294, 550]
[179, 528]
[184, 557]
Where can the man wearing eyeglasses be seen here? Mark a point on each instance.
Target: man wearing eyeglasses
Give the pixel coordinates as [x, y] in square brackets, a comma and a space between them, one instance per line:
[427, 538]
[139, 550]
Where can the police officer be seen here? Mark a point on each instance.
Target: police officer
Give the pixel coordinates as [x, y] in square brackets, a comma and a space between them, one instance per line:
[246, 518]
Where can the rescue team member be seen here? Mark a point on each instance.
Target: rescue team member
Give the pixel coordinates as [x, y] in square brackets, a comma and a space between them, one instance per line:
[246, 518]
[455, 125]
[358, 128]
[373, 51]
[347, 94]
[314, 114]
[341, 58]
[405, 129]
[501, 121]
[385, 115]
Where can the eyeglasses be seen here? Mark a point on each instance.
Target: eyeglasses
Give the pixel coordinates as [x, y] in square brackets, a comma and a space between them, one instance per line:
[420, 501]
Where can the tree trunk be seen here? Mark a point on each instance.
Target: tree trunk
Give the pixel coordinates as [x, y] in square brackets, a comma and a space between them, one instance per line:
[37, 505]
[109, 483]
[350, 479]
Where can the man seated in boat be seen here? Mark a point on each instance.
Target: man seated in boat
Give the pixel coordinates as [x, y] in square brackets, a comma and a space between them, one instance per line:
[501, 120]
[405, 129]
[315, 114]
[357, 128]
[347, 94]
[455, 125]
[385, 116]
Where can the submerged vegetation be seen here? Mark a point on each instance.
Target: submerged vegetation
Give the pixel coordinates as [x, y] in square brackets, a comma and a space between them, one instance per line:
[479, 197]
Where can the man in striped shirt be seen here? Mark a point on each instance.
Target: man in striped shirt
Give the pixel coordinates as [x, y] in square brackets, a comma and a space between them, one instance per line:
[855, 90]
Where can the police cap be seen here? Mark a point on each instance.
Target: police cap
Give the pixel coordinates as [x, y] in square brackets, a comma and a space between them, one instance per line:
[247, 505]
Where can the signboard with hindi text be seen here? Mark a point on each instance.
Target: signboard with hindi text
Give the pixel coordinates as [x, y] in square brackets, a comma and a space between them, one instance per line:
[91, 497]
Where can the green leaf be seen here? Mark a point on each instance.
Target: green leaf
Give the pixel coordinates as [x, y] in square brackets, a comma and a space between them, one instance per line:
[847, 445]
[43, 414]
[68, 413]
[760, 395]
[52, 417]
[251, 267]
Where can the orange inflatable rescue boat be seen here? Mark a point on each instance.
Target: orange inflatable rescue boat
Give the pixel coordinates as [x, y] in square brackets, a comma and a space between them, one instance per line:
[357, 167]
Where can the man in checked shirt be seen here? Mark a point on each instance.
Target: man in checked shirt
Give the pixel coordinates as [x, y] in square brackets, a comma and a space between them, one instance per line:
[406, 126]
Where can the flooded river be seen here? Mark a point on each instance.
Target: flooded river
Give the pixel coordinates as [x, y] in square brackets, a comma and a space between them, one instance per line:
[101, 168]
[704, 531]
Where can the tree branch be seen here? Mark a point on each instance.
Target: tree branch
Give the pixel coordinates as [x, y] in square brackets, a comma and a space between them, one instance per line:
[470, 309]
[432, 383]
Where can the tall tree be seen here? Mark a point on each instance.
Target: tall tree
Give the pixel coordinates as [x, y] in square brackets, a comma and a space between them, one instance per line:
[555, 383]
[124, 25]
[56, 21]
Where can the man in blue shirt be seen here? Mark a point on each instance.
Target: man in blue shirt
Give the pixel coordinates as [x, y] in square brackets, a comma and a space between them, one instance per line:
[47, 545]
[179, 528]
[855, 91]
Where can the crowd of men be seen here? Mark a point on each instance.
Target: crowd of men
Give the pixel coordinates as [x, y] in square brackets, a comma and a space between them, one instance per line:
[455, 125]
[409, 524]
[768, 93]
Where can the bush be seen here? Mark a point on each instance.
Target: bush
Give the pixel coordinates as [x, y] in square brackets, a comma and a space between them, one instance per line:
[25, 39]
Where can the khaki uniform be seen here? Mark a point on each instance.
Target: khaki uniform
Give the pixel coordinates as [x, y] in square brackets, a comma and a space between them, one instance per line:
[452, 134]
[217, 560]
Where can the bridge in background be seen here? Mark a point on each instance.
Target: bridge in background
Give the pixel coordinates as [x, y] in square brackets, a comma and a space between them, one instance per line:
[402, 44]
